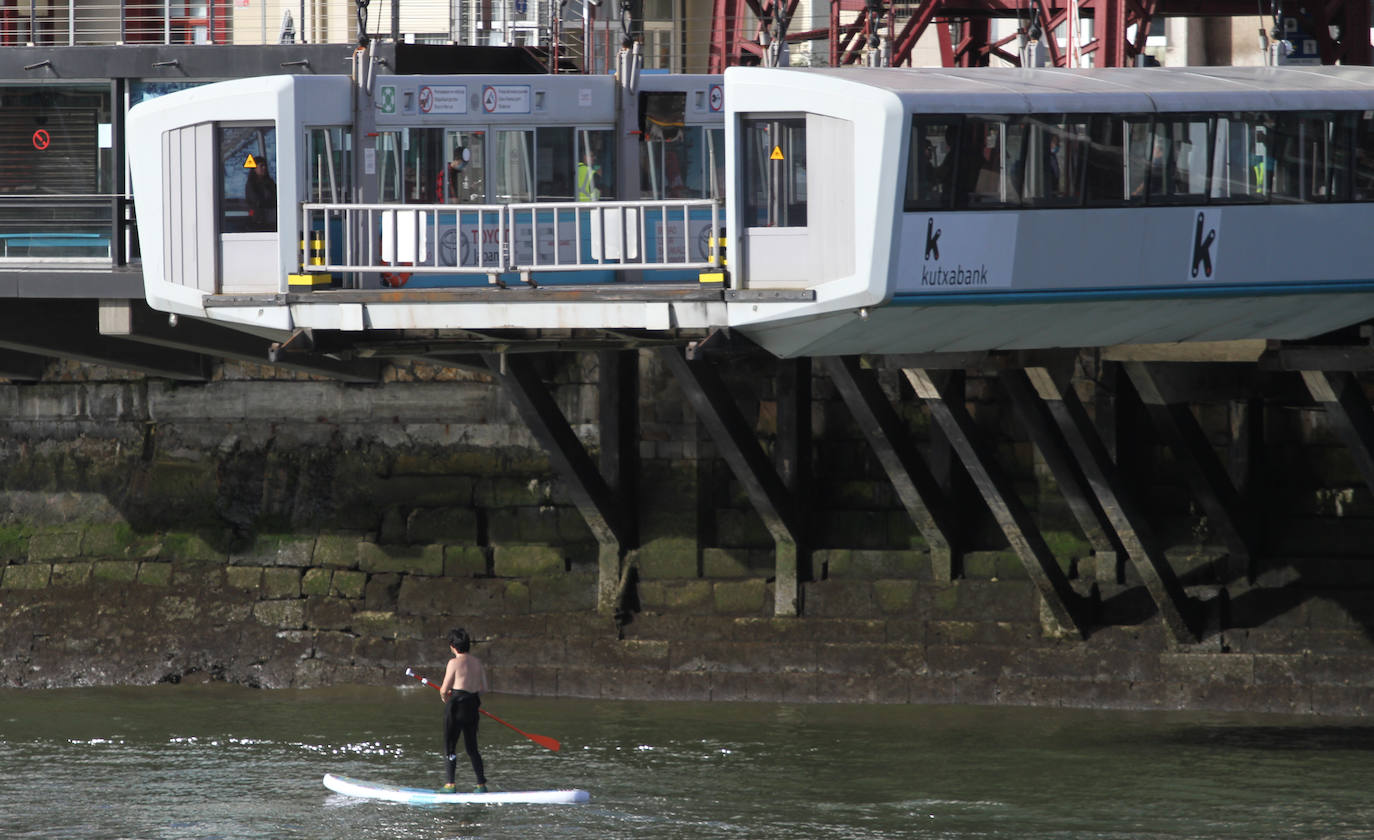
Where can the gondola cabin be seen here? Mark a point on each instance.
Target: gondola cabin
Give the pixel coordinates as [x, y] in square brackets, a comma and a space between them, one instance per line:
[862, 210]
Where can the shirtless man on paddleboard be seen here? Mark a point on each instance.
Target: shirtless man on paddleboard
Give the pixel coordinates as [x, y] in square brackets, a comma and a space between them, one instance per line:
[464, 681]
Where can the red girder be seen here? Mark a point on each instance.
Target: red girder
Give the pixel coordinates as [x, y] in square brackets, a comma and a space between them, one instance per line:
[963, 30]
[730, 47]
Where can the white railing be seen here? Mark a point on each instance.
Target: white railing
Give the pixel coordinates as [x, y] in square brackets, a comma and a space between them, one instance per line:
[423, 238]
[495, 239]
[626, 234]
[103, 22]
[260, 22]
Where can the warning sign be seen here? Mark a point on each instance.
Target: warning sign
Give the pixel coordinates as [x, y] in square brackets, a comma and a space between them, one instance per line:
[777, 153]
[41, 140]
[250, 163]
[506, 99]
[443, 99]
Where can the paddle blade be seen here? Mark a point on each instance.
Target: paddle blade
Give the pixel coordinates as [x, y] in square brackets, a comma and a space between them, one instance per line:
[542, 740]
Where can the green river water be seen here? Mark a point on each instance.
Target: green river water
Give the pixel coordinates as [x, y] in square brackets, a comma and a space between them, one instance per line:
[220, 761]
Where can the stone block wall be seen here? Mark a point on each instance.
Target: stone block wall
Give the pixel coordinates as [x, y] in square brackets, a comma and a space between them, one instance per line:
[299, 533]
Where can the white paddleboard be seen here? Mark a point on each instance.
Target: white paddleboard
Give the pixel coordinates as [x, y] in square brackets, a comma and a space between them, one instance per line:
[421, 796]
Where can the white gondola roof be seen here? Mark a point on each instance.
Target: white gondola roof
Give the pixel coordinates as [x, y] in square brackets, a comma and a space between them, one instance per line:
[992, 90]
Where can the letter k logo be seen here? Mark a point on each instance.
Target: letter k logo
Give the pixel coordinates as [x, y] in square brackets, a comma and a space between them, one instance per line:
[933, 240]
[1202, 247]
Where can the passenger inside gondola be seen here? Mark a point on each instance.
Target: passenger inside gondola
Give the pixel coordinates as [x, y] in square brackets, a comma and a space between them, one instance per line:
[990, 163]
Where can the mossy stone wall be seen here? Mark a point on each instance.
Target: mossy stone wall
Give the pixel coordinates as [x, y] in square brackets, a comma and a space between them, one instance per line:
[298, 533]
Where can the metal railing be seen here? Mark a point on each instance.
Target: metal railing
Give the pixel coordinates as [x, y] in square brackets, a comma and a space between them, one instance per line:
[495, 239]
[61, 228]
[105, 22]
[108, 22]
[422, 238]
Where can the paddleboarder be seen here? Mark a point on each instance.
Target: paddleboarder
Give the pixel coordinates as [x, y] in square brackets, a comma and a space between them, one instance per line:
[464, 681]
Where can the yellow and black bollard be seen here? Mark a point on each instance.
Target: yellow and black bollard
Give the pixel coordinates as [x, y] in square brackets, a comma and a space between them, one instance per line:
[719, 274]
[306, 281]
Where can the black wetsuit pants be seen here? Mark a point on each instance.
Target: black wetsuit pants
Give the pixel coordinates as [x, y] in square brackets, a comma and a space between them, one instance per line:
[460, 718]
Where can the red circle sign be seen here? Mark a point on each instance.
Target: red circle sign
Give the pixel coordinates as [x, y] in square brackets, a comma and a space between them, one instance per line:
[41, 140]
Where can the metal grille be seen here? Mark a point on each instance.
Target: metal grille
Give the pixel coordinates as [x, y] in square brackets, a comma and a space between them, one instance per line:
[497, 238]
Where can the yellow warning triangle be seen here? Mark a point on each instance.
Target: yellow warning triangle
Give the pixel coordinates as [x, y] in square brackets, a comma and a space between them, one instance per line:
[250, 163]
[777, 153]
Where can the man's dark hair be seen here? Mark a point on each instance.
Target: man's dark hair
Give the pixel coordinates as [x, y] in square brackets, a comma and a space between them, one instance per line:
[460, 640]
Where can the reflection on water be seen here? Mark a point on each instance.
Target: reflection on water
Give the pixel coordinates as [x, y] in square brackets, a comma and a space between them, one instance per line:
[226, 762]
[1297, 737]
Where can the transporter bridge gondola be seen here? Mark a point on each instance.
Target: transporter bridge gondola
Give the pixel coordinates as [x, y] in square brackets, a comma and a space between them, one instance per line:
[865, 210]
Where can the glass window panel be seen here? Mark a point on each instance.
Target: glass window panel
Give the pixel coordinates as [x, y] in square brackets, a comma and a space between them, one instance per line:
[52, 141]
[1339, 173]
[774, 173]
[1145, 160]
[675, 162]
[595, 165]
[1285, 159]
[512, 167]
[715, 162]
[248, 187]
[1305, 158]
[692, 161]
[1058, 147]
[330, 165]
[1239, 158]
[409, 163]
[663, 168]
[794, 173]
[1013, 161]
[142, 91]
[1178, 160]
[554, 164]
[990, 163]
[464, 179]
[930, 173]
[756, 145]
[424, 160]
[1363, 174]
[390, 166]
[1105, 178]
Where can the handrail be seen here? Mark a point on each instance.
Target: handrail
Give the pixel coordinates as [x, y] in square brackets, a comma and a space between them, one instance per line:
[64, 198]
[62, 228]
[111, 22]
[382, 237]
[495, 239]
[618, 233]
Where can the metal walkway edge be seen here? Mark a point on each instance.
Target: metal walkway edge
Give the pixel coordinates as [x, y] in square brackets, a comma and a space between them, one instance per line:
[538, 294]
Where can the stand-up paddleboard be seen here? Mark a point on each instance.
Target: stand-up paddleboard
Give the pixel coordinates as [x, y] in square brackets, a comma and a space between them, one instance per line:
[421, 796]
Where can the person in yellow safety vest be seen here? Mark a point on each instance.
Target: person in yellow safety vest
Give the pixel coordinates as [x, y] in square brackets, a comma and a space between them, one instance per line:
[1259, 160]
[587, 170]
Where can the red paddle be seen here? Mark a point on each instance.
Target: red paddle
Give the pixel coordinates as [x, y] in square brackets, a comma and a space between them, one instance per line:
[542, 740]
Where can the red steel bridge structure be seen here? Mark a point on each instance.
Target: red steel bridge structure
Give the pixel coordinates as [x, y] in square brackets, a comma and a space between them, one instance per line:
[742, 29]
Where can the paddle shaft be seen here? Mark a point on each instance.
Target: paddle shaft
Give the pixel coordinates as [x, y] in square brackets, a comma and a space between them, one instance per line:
[542, 740]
